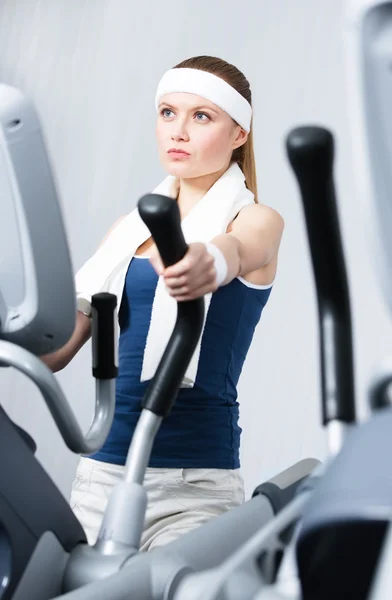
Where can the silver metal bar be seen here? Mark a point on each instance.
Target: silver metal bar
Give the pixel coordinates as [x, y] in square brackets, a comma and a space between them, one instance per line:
[215, 586]
[140, 449]
[42, 376]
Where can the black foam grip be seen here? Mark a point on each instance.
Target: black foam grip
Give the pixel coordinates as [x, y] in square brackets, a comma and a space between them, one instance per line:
[311, 153]
[103, 307]
[162, 217]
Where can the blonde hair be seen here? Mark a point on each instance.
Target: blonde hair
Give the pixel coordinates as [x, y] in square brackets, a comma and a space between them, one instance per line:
[244, 155]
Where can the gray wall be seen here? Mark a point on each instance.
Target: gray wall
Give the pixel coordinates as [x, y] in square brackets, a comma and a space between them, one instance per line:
[91, 67]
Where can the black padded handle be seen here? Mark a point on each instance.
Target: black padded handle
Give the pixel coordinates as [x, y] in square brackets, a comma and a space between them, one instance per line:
[103, 306]
[162, 217]
[311, 153]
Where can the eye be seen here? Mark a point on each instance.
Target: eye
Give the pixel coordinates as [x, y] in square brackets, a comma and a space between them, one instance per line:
[202, 116]
[167, 113]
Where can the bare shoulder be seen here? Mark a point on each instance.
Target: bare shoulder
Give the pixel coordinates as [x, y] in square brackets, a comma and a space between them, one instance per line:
[260, 217]
[259, 229]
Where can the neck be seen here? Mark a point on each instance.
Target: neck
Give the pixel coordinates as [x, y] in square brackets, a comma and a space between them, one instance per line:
[192, 190]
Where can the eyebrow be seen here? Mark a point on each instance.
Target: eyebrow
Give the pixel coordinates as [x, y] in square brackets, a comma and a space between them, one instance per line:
[194, 109]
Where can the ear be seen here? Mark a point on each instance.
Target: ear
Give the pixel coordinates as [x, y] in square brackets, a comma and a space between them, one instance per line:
[240, 137]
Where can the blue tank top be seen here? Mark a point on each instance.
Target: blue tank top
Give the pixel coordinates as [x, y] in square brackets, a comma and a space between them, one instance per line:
[202, 430]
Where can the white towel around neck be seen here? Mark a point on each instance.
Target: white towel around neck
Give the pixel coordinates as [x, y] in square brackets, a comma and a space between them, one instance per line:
[106, 270]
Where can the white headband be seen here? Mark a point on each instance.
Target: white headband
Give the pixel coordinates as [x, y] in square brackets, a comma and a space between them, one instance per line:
[209, 86]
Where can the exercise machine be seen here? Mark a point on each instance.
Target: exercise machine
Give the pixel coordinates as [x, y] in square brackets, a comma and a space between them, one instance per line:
[43, 549]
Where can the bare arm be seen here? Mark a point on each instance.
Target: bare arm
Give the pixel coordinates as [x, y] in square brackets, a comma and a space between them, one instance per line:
[252, 242]
[82, 333]
[250, 248]
[56, 361]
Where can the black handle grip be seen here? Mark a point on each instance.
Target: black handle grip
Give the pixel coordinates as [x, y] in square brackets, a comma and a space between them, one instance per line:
[103, 307]
[311, 153]
[162, 217]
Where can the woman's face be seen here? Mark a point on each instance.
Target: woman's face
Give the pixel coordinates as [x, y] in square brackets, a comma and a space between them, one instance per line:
[195, 137]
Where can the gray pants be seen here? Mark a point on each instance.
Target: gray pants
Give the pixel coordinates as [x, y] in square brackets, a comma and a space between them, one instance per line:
[179, 500]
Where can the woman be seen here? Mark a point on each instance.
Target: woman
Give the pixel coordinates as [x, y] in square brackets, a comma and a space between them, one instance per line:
[205, 144]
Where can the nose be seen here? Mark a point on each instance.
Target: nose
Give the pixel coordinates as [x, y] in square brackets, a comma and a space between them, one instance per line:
[179, 132]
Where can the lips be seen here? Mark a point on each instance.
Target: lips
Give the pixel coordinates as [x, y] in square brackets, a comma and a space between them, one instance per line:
[178, 152]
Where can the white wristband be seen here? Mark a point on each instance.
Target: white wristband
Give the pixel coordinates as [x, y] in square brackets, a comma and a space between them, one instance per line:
[220, 263]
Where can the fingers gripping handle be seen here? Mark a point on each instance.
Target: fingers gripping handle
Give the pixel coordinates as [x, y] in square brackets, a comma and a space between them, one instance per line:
[103, 312]
[311, 153]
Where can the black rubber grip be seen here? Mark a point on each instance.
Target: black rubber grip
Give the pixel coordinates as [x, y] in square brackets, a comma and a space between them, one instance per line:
[311, 153]
[103, 306]
[162, 217]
